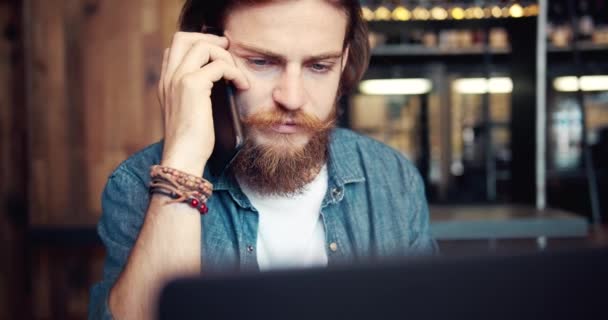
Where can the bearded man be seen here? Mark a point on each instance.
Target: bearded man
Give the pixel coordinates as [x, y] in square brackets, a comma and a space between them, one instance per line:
[300, 193]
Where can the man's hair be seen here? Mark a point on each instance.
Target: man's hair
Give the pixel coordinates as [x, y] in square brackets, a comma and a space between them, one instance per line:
[204, 15]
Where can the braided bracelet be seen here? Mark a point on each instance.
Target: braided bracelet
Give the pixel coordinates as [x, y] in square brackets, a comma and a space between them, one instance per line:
[180, 192]
[198, 204]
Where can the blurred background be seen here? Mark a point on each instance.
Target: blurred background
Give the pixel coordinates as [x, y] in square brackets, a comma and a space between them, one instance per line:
[502, 105]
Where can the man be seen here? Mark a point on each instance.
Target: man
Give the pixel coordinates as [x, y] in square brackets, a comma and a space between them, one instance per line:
[298, 194]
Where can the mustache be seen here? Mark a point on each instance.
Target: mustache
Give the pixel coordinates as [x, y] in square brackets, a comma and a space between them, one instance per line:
[299, 118]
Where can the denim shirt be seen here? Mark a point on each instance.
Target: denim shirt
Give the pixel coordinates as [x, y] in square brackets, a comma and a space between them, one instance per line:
[374, 208]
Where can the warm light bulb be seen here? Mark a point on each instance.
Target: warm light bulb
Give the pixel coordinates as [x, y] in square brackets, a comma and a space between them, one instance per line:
[457, 13]
[401, 13]
[477, 13]
[421, 13]
[439, 13]
[496, 12]
[531, 10]
[487, 12]
[516, 11]
[367, 13]
[468, 13]
[382, 13]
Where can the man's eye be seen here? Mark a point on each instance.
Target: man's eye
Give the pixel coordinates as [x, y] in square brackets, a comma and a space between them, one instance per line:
[319, 67]
[257, 62]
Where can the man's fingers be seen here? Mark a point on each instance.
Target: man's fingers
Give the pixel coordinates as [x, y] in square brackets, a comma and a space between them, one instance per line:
[219, 69]
[198, 56]
[213, 72]
[181, 43]
[237, 77]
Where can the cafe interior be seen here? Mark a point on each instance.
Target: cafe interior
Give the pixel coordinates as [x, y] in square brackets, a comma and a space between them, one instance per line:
[502, 105]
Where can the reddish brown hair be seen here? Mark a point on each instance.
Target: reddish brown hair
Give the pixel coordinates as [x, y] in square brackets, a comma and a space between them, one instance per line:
[206, 15]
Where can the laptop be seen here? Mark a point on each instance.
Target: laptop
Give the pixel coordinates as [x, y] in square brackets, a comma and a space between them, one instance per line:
[550, 285]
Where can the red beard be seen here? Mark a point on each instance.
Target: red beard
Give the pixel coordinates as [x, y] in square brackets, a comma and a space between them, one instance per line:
[272, 170]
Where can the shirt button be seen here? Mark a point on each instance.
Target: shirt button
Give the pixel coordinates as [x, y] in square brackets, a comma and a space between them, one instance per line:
[333, 246]
[336, 192]
[250, 248]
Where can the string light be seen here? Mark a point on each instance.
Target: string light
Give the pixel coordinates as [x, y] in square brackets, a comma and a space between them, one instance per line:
[401, 13]
[457, 13]
[468, 13]
[531, 10]
[487, 12]
[367, 13]
[477, 12]
[439, 13]
[516, 11]
[382, 13]
[421, 13]
[496, 12]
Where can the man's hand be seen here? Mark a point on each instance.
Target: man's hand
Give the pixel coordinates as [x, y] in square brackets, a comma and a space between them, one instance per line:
[190, 67]
[169, 243]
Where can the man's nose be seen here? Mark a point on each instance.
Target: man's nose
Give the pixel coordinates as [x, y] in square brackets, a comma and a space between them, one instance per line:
[289, 91]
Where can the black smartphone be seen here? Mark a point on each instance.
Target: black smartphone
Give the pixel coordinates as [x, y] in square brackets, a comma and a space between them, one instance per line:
[226, 121]
[227, 127]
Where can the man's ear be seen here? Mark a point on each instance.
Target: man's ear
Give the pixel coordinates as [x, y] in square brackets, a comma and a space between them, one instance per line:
[344, 59]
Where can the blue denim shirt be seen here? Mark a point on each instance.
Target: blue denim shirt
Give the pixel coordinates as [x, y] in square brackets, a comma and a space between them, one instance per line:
[375, 207]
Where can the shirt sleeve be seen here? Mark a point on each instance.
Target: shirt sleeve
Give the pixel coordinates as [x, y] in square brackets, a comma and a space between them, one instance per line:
[422, 241]
[124, 202]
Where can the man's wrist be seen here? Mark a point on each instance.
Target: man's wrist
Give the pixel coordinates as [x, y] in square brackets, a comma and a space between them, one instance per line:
[195, 168]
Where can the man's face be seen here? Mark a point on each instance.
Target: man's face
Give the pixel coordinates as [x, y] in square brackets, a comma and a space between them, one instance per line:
[292, 54]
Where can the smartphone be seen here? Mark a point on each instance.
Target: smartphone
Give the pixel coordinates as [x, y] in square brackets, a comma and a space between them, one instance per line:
[226, 121]
[227, 127]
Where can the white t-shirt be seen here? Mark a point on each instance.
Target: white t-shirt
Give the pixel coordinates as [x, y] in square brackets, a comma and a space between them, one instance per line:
[290, 229]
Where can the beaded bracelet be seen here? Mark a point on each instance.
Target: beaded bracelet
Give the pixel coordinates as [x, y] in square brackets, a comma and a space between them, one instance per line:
[198, 204]
[180, 187]
[181, 180]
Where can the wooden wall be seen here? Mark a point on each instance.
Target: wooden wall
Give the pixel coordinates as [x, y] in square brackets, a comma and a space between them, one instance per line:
[77, 96]
[13, 215]
[92, 68]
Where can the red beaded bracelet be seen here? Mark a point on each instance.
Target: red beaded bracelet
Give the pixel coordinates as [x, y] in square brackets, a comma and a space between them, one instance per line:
[198, 204]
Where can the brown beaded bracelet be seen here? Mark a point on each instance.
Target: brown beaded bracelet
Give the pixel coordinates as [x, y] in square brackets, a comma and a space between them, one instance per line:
[181, 180]
[180, 187]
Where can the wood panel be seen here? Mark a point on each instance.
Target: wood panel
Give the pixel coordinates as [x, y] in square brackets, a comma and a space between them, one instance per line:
[12, 163]
[6, 101]
[51, 153]
[61, 278]
[5, 160]
[92, 69]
